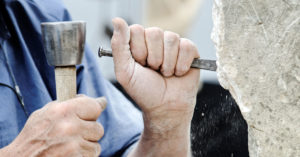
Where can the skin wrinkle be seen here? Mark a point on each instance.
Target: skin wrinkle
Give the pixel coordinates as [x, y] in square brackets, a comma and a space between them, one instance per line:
[146, 58]
[43, 150]
[130, 82]
[161, 132]
[43, 145]
[165, 90]
[131, 70]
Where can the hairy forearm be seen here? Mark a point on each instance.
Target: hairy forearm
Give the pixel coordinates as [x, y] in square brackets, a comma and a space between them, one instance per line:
[154, 148]
[175, 143]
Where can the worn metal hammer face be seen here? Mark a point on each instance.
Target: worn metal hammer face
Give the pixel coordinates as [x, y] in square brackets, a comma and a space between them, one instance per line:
[64, 46]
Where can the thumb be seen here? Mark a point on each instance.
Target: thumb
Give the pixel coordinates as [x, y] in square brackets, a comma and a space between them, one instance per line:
[123, 60]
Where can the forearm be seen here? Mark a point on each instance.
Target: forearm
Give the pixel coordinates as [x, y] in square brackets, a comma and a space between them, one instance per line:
[175, 143]
[153, 148]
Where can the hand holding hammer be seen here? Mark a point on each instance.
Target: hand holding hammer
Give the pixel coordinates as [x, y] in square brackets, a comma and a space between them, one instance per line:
[60, 127]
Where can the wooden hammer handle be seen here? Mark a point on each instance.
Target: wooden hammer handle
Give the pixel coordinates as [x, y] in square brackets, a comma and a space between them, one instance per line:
[65, 78]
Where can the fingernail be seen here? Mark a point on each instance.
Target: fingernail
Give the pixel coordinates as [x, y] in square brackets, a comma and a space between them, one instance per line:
[102, 102]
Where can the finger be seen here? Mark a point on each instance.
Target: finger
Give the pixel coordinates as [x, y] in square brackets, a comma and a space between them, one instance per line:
[138, 44]
[171, 46]
[102, 102]
[86, 108]
[187, 53]
[91, 130]
[123, 61]
[90, 149]
[154, 41]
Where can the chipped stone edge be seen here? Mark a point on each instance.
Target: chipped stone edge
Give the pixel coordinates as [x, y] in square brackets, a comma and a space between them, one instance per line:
[218, 36]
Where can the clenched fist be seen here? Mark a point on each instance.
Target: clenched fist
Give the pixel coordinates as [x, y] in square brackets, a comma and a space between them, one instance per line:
[62, 129]
[153, 66]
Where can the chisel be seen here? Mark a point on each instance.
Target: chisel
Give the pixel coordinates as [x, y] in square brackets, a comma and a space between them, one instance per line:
[197, 63]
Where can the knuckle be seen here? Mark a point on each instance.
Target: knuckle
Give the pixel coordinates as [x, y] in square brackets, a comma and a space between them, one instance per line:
[181, 70]
[140, 56]
[67, 128]
[154, 32]
[171, 37]
[167, 72]
[86, 100]
[73, 146]
[186, 44]
[154, 63]
[136, 28]
[59, 109]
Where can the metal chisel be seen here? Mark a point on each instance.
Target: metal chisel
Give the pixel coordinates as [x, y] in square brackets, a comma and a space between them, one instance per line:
[197, 63]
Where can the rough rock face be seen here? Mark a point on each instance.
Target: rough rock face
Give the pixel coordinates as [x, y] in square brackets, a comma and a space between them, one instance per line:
[258, 50]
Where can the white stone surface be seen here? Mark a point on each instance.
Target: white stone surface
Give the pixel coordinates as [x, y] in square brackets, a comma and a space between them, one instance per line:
[258, 51]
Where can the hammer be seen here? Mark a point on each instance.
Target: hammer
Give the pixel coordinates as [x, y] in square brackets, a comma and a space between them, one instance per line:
[64, 46]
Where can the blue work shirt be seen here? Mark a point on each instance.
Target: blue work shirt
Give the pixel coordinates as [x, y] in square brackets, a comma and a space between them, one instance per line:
[21, 49]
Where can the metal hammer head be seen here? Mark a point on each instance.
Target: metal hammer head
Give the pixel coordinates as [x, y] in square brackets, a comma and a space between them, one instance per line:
[64, 42]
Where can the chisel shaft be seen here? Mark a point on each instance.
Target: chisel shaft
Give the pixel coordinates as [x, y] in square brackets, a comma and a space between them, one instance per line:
[197, 63]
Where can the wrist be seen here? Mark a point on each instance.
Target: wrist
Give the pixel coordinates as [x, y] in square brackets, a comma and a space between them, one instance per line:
[168, 125]
[174, 144]
[166, 133]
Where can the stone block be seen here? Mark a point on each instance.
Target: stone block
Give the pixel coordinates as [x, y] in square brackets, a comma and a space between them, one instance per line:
[258, 51]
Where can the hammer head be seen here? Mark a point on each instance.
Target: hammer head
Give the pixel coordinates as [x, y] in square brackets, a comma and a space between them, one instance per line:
[64, 42]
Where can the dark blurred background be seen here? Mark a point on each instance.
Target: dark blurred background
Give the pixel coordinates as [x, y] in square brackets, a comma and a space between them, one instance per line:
[218, 128]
